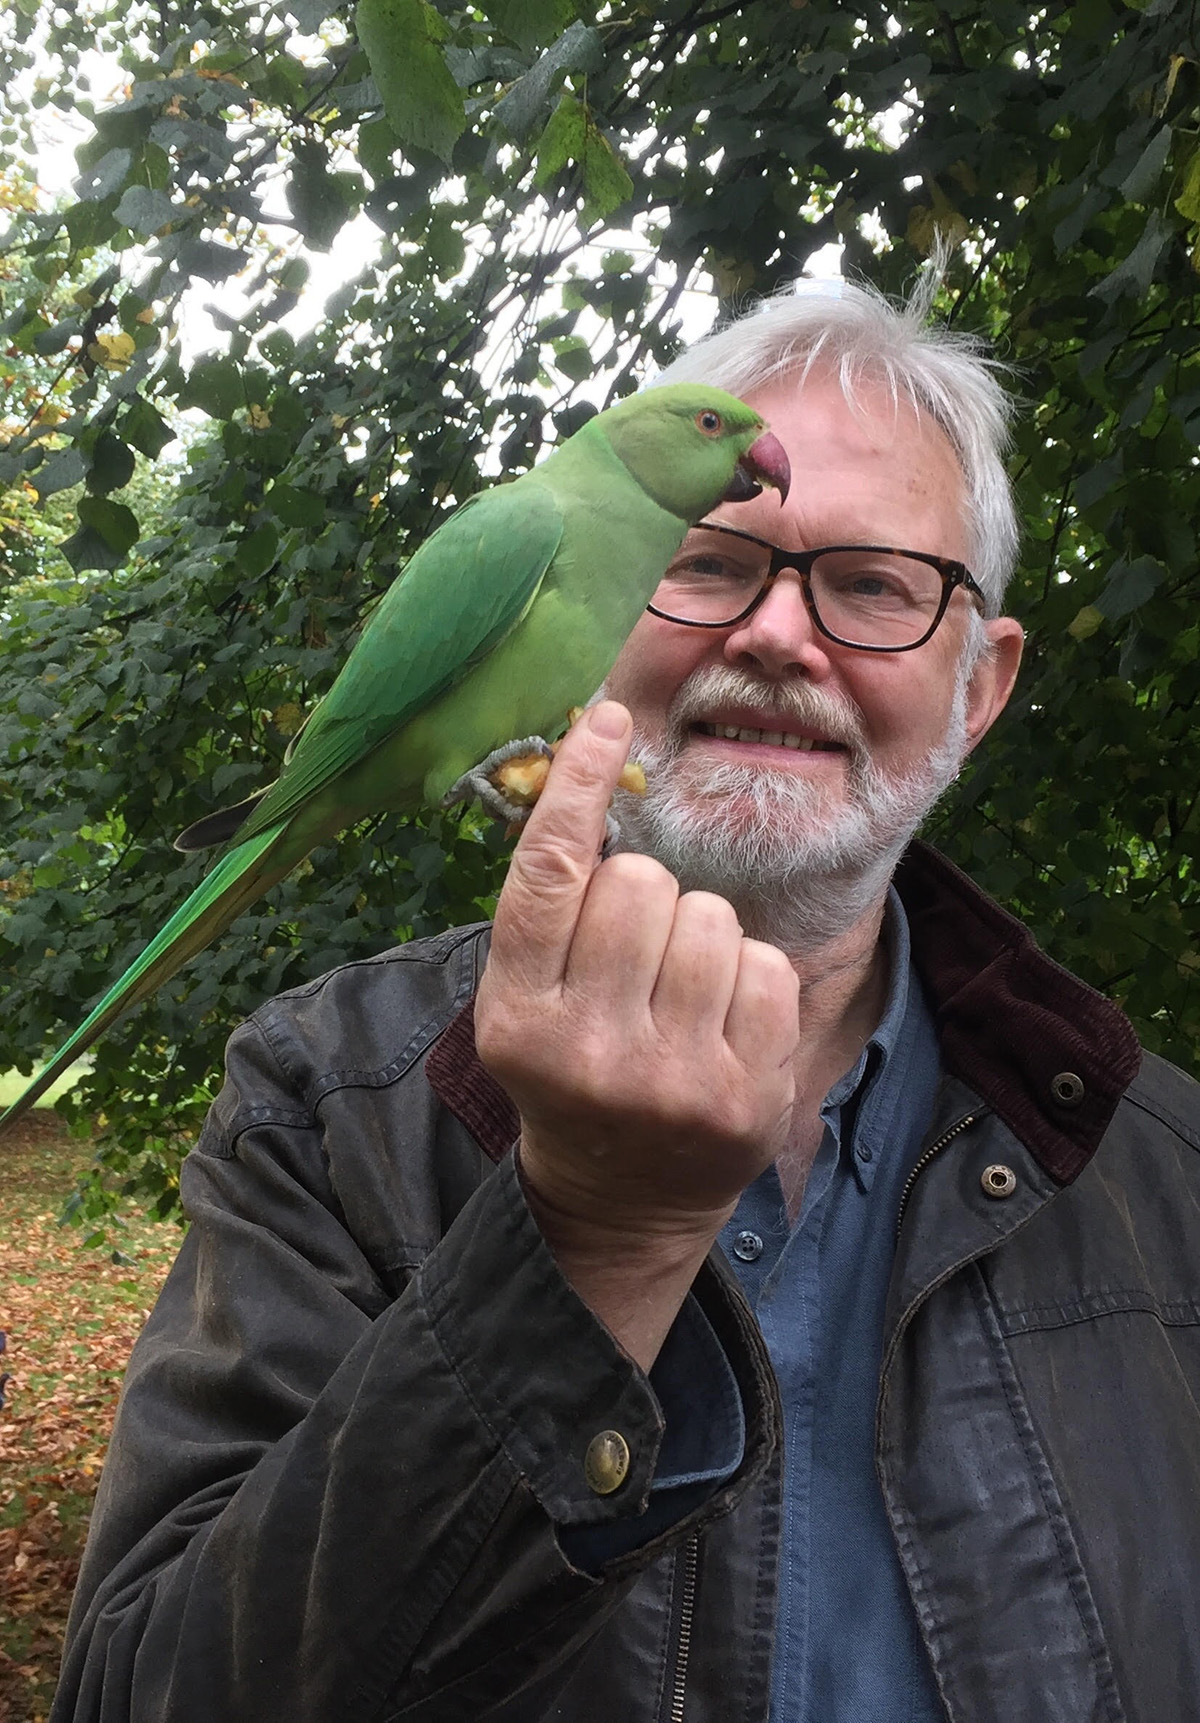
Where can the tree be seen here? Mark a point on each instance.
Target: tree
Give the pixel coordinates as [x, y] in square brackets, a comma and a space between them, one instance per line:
[547, 183]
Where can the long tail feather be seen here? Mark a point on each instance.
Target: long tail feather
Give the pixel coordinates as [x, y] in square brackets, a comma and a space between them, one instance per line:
[238, 878]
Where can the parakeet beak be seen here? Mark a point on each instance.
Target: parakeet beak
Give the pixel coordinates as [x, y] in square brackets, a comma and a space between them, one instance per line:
[764, 463]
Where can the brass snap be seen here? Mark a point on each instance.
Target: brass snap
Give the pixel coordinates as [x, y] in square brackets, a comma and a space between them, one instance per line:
[606, 1463]
[1067, 1089]
[998, 1181]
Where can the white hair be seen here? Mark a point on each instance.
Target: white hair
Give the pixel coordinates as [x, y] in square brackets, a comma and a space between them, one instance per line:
[859, 335]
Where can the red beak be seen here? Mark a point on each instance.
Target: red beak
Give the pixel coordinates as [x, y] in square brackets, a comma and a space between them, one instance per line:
[764, 463]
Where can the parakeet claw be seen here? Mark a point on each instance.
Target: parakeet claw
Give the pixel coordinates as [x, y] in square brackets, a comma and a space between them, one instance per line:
[499, 798]
[511, 779]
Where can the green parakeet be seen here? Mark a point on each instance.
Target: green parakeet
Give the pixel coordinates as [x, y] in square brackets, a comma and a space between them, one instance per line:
[512, 612]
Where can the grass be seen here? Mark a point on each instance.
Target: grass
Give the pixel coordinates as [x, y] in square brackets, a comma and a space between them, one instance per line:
[71, 1317]
[12, 1083]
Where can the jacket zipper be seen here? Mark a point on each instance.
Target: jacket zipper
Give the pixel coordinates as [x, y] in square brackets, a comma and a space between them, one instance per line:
[928, 1155]
[687, 1610]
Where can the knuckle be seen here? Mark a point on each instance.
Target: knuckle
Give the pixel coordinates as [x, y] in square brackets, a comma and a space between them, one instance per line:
[709, 909]
[544, 869]
[638, 873]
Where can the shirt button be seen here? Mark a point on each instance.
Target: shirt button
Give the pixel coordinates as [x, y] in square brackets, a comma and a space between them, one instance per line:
[865, 1152]
[747, 1247]
[606, 1463]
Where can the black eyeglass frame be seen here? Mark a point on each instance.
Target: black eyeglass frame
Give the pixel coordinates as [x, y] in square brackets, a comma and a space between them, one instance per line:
[954, 574]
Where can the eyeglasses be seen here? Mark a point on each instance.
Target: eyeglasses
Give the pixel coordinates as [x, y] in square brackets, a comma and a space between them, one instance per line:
[866, 596]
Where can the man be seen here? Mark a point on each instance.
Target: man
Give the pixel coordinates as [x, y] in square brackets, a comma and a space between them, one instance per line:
[423, 1428]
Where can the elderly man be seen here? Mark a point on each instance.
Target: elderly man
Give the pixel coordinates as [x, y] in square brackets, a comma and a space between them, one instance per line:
[426, 1428]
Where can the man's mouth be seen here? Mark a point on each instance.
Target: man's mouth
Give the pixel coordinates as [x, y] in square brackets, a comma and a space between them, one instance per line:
[772, 738]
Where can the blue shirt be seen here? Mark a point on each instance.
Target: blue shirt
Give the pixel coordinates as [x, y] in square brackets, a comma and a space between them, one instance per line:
[847, 1648]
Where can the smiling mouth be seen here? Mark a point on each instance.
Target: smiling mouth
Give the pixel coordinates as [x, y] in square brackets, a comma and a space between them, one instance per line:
[772, 738]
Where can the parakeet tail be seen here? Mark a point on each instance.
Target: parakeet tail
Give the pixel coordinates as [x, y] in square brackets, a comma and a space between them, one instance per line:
[238, 878]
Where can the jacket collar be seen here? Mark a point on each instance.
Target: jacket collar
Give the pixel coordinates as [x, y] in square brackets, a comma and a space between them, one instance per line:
[1049, 1055]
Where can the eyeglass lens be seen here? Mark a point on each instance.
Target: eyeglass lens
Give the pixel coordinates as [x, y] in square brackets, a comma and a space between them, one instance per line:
[865, 597]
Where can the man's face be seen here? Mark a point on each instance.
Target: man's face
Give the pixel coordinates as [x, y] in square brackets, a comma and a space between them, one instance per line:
[745, 813]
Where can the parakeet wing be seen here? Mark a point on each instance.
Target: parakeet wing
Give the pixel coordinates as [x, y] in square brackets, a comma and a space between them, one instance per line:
[462, 592]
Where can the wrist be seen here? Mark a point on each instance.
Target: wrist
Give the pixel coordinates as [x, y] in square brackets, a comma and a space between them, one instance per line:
[633, 1272]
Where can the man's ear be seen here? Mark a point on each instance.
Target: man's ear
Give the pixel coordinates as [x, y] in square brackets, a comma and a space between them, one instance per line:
[994, 676]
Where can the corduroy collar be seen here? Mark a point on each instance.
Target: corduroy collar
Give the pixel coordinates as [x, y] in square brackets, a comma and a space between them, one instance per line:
[1050, 1056]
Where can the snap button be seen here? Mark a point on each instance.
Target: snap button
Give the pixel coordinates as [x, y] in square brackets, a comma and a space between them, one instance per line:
[747, 1247]
[998, 1181]
[606, 1463]
[1067, 1089]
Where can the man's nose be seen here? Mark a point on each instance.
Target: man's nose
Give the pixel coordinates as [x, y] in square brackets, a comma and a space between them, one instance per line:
[780, 637]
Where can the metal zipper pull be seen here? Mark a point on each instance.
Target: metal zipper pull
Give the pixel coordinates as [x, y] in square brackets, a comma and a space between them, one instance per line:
[928, 1155]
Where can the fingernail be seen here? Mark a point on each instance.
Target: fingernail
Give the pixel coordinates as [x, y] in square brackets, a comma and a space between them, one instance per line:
[608, 720]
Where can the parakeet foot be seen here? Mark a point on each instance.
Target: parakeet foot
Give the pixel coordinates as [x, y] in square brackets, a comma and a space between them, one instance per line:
[501, 785]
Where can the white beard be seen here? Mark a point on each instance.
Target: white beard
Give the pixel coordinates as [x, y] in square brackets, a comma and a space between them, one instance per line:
[800, 861]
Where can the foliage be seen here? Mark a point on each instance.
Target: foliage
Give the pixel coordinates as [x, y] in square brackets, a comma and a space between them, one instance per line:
[534, 188]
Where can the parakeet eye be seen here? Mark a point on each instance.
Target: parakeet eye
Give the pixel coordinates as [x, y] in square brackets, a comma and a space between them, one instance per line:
[709, 423]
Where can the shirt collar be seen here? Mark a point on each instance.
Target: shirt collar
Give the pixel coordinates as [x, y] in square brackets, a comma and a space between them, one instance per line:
[849, 1095]
[881, 1043]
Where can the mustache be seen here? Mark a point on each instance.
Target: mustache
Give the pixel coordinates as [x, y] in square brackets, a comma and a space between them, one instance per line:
[834, 716]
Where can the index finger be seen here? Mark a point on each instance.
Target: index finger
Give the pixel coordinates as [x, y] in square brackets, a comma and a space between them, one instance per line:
[553, 863]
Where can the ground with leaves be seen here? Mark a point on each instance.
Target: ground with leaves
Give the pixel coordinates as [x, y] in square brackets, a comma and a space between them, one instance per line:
[71, 1316]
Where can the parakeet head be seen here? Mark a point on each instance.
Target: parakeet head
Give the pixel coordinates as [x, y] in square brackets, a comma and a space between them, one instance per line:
[690, 446]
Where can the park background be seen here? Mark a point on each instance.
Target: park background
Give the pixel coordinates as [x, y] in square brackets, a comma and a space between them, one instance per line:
[317, 273]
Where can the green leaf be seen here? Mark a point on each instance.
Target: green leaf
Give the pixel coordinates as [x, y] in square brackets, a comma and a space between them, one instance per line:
[563, 140]
[257, 550]
[318, 197]
[606, 181]
[89, 224]
[571, 136]
[146, 212]
[210, 261]
[1085, 622]
[112, 464]
[116, 524]
[573, 358]
[215, 386]
[146, 429]
[578, 49]
[59, 472]
[1188, 201]
[1148, 169]
[1129, 585]
[105, 177]
[420, 97]
[296, 507]
[1136, 271]
[108, 531]
[529, 22]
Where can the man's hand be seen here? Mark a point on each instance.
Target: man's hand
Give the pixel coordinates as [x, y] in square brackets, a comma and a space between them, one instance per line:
[646, 1043]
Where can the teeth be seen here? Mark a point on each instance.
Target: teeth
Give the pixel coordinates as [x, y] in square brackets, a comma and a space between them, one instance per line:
[773, 738]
